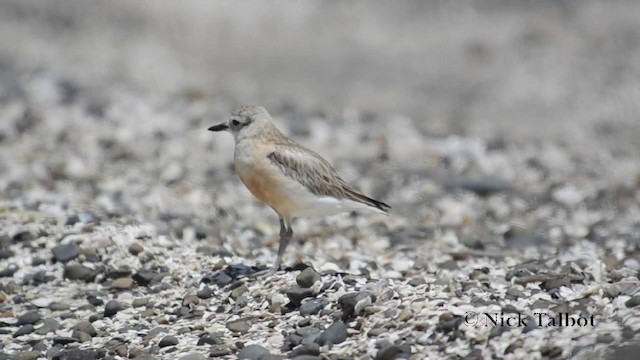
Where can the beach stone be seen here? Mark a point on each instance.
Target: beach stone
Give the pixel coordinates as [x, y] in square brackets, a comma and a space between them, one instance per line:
[240, 326]
[112, 308]
[30, 317]
[66, 252]
[168, 340]
[252, 352]
[308, 277]
[334, 334]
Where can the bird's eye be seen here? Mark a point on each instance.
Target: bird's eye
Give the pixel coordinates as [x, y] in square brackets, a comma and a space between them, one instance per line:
[235, 122]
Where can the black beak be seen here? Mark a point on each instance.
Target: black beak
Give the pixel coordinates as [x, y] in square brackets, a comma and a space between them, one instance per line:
[219, 127]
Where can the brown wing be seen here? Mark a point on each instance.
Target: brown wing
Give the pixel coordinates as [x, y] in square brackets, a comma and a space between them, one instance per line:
[317, 175]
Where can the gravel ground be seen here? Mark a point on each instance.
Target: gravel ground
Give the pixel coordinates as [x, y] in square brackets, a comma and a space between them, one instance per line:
[124, 232]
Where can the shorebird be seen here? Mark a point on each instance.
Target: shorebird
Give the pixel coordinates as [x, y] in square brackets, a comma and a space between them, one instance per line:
[293, 180]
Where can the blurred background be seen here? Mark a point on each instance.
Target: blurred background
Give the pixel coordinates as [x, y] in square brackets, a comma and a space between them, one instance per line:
[561, 69]
[105, 104]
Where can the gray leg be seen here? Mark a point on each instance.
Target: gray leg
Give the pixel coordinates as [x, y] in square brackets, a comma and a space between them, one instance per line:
[286, 232]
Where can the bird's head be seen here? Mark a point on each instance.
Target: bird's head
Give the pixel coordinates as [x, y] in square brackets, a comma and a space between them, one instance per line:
[245, 122]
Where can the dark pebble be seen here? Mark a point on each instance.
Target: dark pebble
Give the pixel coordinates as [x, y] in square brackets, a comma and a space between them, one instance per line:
[209, 339]
[79, 272]
[334, 334]
[296, 294]
[6, 253]
[77, 354]
[135, 249]
[85, 327]
[205, 293]
[48, 326]
[31, 317]
[64, 340]
[168, 340]
[313, 306]
[218, 351]
[8, 271]
[24, 330]
[252, 352]
[633, 302]
[305, 349]
[394, 352]
[347, 303]
[66, 252]
[147, 277]
[112, 308]
[308, 277]
[23, 236]
[220, 278]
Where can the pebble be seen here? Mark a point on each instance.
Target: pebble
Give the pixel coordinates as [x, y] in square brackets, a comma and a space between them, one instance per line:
[308, 277]
[48, 326]
[135, 249]
[205, 293]
[79, 272]
[252, 352]
[125, 283]
[633, 302]
[30, 317]
[112, 308]
[24, 330]
[240, 326]
[393, 352]
[296, 294]
[193, 356]
[85, 327]
[27, 355]
[351, 303]
[334, 334]
[66, 252]
[313, 306]
[168, 340]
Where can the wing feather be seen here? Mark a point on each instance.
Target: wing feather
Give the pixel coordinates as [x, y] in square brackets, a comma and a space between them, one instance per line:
[317, 175]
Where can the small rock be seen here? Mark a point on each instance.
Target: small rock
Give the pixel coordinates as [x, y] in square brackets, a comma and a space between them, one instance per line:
[31, 317]
[23, 236]
[252, 352]
[124, 283]
[220, 278]
[77, 354]
[334, 334]
[633, 302]
[417, 281]
[112, 308]
[135, 249]
[193, 356]
[394, 352]
[140, 302]
[296, 294]
[27, 355]
[308, 277]
[241, 326]
[237, 292]
[205, 293]
[79, 272]
[209, 339]
[352, 303]
[81, 336]
[64, 340]
[66, 252]
[405, 315]
[48, 326]
[24, 330]
[85, 327]
[220, 350]
[168, 340]
[313, 306]
[58, 306]
[305, 349]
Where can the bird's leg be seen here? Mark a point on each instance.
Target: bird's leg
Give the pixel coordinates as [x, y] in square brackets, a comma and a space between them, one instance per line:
[286, 232]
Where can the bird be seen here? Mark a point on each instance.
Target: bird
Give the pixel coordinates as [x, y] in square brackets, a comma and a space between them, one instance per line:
[293, 180]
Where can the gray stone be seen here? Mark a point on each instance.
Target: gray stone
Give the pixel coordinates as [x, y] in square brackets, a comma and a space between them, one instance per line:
[313, 306]
[168, 340]
[334, 334]
[241, 325]
[112, 308]
[308, 277]
[30, 317]
[252, 352]
[193, 356]
[66, 252]
[79, 272]
[296, 294]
